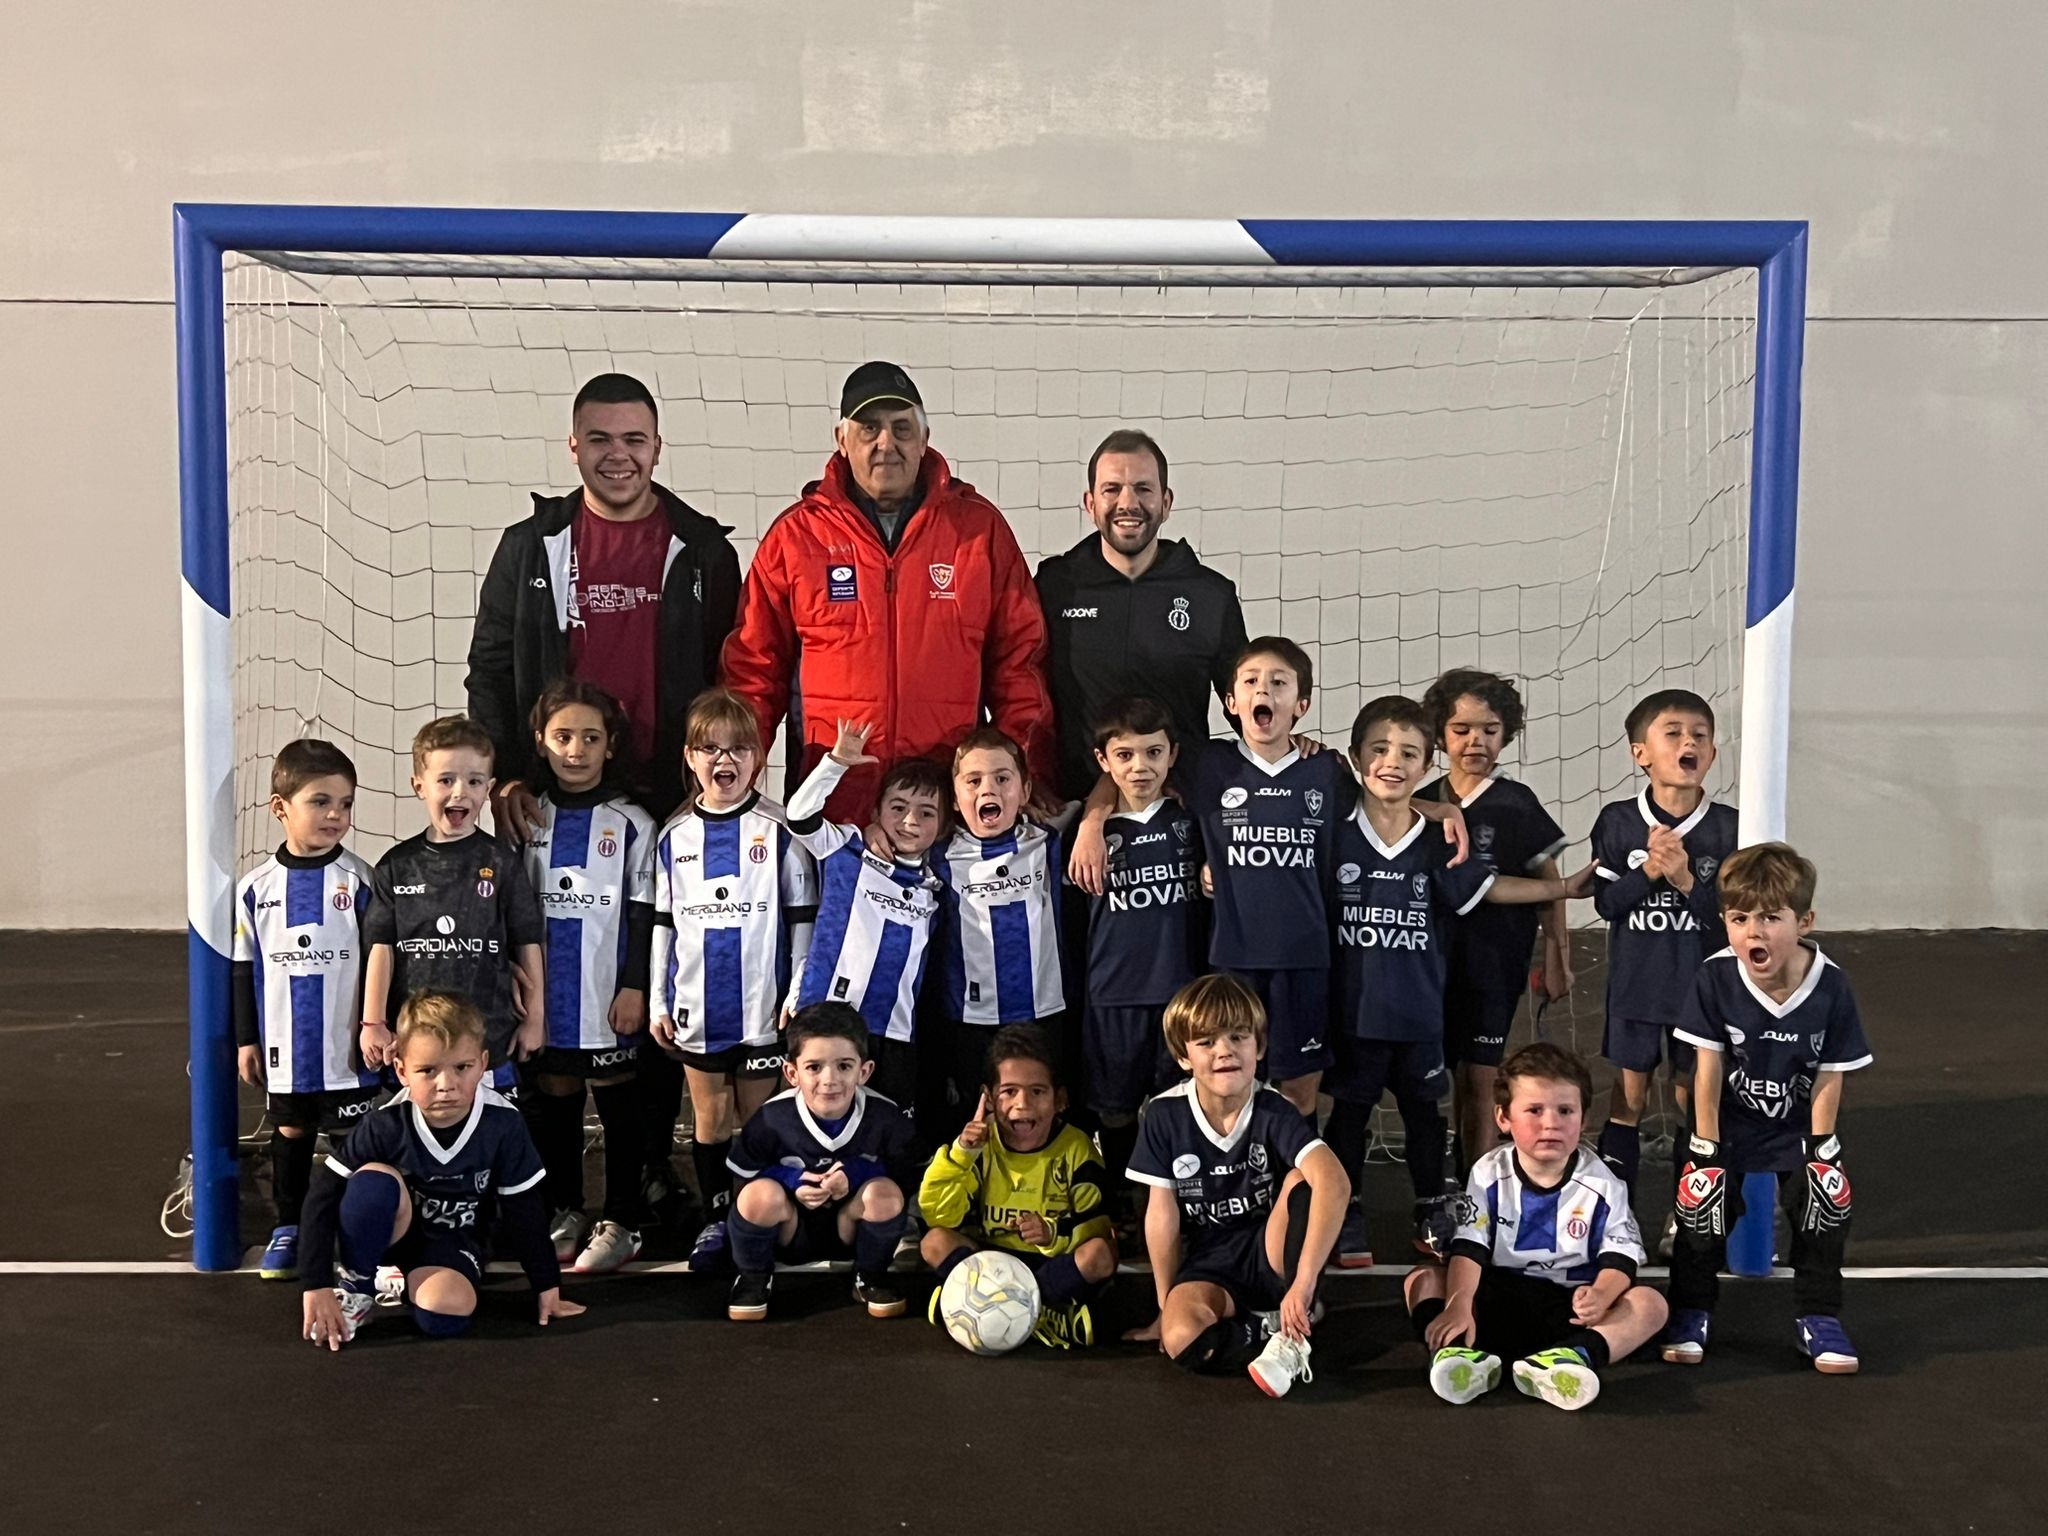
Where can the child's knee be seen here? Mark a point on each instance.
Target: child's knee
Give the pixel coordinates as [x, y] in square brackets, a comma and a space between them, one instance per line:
[1301, 1092]
[938, 1244]
[763, 1202]
[1096, 1260]
[556, 1086]
[1182, 1322]
[292, 1132]
[442, 1291]
[880, 1200]
[1425, 1282]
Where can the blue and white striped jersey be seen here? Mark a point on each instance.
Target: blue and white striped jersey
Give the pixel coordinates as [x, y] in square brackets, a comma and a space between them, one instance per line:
[1566, 1234]
[298, 927]
[727, 887]
[1003, 926]
[591, 863]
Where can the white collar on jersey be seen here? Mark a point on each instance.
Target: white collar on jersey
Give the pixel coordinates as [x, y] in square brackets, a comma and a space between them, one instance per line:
[1141, 817]
[426, 1134]
[1270, 770]
[1216, 1138]
[1477, 789]
[1382, 849]
[1652, 819]
[853, 1118]
[1764, 1000]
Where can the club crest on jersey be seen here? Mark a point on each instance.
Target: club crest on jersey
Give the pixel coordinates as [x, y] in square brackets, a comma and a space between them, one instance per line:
[1180, 831]
[1314, 800]
[1111, 843]
[758, 853]
[1421, 887]
[1482, 838]
[1576, 1227]
[840, 586]
[484, 887]
[1255, 1157]
[1234, 797]
[942, 580]
[1178, 615]
[1703, 869]
[607, 843]
[483, 1180]
[343, 899]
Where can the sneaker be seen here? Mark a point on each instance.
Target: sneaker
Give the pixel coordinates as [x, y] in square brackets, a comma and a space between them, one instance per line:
[879, 1296]
[1434, 1228]
[613, 1245]
[1684, 1341]
[1561, 1377]
[567, 1230]
[931, 1308]
[749, 1300]
[1280, 1365]
[389, 1286]
[1269, 1322]
[1354, 1241]
[1824, 1343]
[1065, 1327]
[662, 1194]
[907, 1256]
[280, 1260]
[356, 1309]
[710, 1256]
[1459, 1375]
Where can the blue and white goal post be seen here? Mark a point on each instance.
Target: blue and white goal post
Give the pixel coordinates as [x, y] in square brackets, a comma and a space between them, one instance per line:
[1565, 451]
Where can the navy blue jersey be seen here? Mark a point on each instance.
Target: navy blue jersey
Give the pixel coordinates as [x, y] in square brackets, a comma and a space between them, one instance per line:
[455, 1187]
[1396, 908]
[1147, 929]
[1267, 830]
[1512, 834]
[783, 1140]
[1225, 1182]
[1657, 938]
[1772, 1052]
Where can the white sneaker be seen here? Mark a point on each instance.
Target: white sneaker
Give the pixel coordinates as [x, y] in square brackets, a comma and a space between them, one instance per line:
[356, 1307]
[389, 1286]
[1280, 1365]
[1269, 1322]
[612, 1246]
[567, 1230]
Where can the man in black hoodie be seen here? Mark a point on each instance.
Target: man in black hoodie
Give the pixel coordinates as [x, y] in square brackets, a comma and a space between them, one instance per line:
[1128, 612]
[622, 584]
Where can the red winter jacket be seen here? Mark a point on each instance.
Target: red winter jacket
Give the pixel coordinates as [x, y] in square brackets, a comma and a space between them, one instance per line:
[917, 642]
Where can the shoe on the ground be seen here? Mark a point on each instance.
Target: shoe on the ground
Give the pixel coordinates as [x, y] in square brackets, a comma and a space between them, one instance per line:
[280, 1259]
[710, 1254]
[1684, 1340]
[1823, 1342]
[1070, 1326]
[1280, 1365]
[749, 1300]
[389, 1286]
[1434, 1227]
[661, 1192]
[1354, 1241]
[567, 1229]
[356, 1309]
[613, 1245]
[907, 1256]
[879, 1295]
[1668, 1243]
[1269, 1322]
[1459, 1375]
[1561, 1377]
[931, 1308]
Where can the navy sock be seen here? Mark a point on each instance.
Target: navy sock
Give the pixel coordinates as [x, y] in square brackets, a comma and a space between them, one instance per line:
[1423, 1124]
[368, 1216]
[1061, 1281]
[714, 1179]
[951, 1262]
[1349, 1129]
[753, 1247]
[874, 1244]
[1298, 1199]
[1587, 1343]
[291, 1170]
[1231, 1344]
[1621, 1148]
[556, 1121]
[441, 1325]
[616, 1113]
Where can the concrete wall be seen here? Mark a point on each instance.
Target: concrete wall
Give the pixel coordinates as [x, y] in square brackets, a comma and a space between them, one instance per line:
[1911, 136]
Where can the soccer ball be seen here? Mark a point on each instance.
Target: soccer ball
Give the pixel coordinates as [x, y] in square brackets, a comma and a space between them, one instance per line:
[989, 1303]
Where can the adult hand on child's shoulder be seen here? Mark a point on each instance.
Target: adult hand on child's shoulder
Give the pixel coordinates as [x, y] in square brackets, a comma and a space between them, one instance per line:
[1088, 862]
[515, 811]
[552, 1304]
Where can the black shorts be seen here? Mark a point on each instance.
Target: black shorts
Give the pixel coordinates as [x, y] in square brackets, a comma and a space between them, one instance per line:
[1476, 1023]
[1518, 1315]
[1297, 1020]
[336, 1111]
[1124, 1057]
[425, 1247]
[1365, 1069]
[816, 1237]
[573, 1061]
[1234, 1258]
[753, 1062]
[1637, 1046]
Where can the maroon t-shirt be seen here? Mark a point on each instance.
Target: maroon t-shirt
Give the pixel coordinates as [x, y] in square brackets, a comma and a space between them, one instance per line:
[615, 611]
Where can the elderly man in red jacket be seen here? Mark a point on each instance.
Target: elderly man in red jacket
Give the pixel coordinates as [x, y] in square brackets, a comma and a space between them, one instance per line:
[891, 593]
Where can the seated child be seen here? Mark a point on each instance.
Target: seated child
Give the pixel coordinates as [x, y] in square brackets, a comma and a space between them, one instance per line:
[816, 1169]
[1245, 1200]
[1021, 1180]
[1776, 1028]
[1543, 1268]
[419, 1184]
[298, 979]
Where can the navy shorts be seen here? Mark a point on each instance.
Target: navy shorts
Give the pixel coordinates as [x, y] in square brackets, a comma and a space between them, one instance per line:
[1476, 1024]
[1124, 1057]
[1234, 1258]
[1636, 1046]
[573, 1061]
[337, 1111]
[1297, 1020]
[430, 1247]
[1365, 1069]
[748, 1061]
[816, 1237]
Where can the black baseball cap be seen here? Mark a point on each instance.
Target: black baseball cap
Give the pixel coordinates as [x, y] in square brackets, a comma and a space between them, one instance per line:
[876, 384]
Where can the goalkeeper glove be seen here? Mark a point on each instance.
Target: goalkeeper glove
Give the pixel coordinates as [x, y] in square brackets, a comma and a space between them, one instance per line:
[1702, 1205]
[1827, 1186]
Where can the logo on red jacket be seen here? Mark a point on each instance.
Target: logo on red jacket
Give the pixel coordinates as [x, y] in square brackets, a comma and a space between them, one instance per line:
[840, 584]
[942, 580]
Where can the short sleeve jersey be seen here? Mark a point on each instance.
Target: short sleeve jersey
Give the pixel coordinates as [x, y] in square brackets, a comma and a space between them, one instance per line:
[1658, 941]
[593, 854]
[1512, 834]
[1148, 928]
[1396, 906]
[455, 914]
[454, 1188]
[1002, 926]
[784, 1133]
[873, 932]
[1565, 1234]
[1224, 1181]
[297, 926]
[1267, 831]
[1771, 1053]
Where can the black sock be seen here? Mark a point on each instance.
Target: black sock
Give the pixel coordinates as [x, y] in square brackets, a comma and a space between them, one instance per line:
[1228, 1345]
[291, 1171]
[950, 1262]
[1118, 1143]
[1350, 1126]
[1423, 1123]
[714, 1179]
[1427, 1311]
[1589, 1344]
[556, 1121]
[658, 1088]
[1621, 1148]
[1298, 1199]
[616, 1113]
[874, 1245]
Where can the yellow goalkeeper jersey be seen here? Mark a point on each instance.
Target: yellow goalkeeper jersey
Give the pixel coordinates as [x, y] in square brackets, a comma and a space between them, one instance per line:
[983, 1192]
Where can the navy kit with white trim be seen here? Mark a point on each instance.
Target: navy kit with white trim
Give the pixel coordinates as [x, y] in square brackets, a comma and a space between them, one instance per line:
[1656, 936]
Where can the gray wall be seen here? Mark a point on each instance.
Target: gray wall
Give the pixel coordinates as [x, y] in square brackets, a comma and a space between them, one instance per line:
[1911, 136]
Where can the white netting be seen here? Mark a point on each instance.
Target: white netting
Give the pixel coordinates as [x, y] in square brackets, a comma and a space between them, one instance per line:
[1548, 479]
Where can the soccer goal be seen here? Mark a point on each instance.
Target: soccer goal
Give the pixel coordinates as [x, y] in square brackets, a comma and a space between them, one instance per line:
[1564, 451]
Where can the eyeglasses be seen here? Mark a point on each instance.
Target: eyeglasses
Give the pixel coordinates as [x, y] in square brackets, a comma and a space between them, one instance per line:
[730, 754]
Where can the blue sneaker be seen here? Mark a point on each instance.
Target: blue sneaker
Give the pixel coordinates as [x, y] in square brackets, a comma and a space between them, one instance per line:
[280, 1260]
[1827, 1346]
[711, 1256]
[1684, 1341]
[1354, 1241]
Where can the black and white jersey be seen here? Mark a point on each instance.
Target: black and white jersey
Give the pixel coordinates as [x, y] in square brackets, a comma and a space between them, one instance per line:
[1772, 1052]
[455, 915]
[1396, 906]
[783, 1138]
[592, 867]
[455, 1186]
[1567, 1233]
[1267, 831]
[1224, 1180]
[1148, 929]
[297, 932]
[1512, 834]
[1656, 938]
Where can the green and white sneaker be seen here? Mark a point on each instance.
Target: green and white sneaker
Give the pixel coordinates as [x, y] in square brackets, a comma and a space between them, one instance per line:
[1561, 1377]
[1459, 1375]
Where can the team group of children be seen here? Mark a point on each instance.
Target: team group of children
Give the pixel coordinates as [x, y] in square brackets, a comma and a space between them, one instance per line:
[878, 1026]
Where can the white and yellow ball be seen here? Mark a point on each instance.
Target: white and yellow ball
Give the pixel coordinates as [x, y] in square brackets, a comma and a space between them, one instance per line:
[989, 1303]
